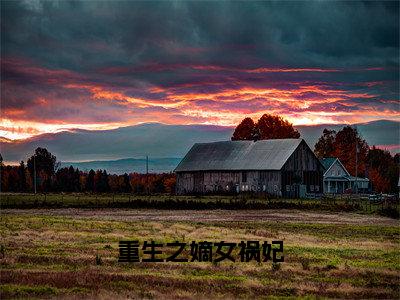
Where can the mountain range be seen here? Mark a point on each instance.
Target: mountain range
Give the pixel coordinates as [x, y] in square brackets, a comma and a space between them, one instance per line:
[124, 149]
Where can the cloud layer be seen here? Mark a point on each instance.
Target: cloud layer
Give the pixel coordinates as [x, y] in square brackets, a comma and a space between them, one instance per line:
[99, 65]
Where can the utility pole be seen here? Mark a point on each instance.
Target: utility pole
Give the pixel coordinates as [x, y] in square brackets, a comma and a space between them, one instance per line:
[34, 171]
[356, 140]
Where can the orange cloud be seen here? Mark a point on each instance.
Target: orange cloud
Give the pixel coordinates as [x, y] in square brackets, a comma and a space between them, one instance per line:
[207, 98]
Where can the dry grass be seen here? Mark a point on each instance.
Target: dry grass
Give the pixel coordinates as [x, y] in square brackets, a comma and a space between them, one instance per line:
[51, 253]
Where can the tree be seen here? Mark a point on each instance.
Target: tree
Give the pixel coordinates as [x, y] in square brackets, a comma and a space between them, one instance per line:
[13, 179]
[383, 170]
[267, 127]
[324, 147]
[347, 142]
[343, 145]
[46, 165]
[275, 127]
[101, 181]
[22, 177]
[126, 185]
[397, 158]
[89, 185]
[170, 184]
[67, 180]
[106, 186]
[244, 131]
[380, 184]
[113, 182]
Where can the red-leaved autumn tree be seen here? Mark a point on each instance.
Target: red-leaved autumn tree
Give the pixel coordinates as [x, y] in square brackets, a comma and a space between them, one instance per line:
[267, 127]
[244, 131]
[346, 143]
[275, 127]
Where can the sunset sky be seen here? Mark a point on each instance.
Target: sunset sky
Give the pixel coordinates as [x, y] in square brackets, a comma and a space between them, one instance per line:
[102, 65]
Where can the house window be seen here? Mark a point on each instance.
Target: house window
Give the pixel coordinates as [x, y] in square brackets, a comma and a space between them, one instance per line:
[244, 177]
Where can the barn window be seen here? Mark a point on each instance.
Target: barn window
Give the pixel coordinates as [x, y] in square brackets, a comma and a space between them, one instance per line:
[244, 176]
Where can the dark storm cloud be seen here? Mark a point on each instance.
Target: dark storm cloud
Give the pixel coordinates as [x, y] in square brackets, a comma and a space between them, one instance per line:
[89, 34]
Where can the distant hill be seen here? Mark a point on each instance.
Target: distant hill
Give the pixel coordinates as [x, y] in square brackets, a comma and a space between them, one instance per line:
[127, 165]
[152, 139]
[107, 148]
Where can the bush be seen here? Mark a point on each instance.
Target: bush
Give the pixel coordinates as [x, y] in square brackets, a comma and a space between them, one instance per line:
[305, 263]
[2, 251]
[390, 212]
[99, 262]
[275, 267]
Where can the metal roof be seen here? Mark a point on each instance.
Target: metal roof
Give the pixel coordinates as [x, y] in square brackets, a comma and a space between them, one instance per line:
[327, 162]
[239, 155]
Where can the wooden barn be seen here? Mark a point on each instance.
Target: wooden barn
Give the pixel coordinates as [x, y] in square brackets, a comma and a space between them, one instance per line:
[281, 167]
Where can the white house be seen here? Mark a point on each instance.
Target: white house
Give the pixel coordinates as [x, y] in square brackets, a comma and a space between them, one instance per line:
[337, 179]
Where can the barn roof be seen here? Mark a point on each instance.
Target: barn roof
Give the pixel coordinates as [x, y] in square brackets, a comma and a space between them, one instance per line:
[239, 155]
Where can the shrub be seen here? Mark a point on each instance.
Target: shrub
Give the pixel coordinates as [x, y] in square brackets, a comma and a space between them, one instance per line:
[2, 251]
[275, 267]
[390, 212]
[99, 262]
[305, 263]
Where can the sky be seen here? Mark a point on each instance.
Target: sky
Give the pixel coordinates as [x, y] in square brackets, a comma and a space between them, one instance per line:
[103, 65]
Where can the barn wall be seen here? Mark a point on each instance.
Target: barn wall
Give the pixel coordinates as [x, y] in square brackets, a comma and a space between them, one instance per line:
[270, 182]
[235, 181]
[302, 173]
[184, 183]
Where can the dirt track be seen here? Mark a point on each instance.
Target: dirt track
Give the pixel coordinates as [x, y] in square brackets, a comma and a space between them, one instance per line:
[281, 215]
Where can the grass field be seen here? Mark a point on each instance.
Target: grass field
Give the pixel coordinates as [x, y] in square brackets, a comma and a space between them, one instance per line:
[166, 201]
[73, 253]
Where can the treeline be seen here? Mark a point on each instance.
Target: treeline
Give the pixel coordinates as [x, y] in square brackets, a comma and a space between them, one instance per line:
[50, 178]
[380, 166]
